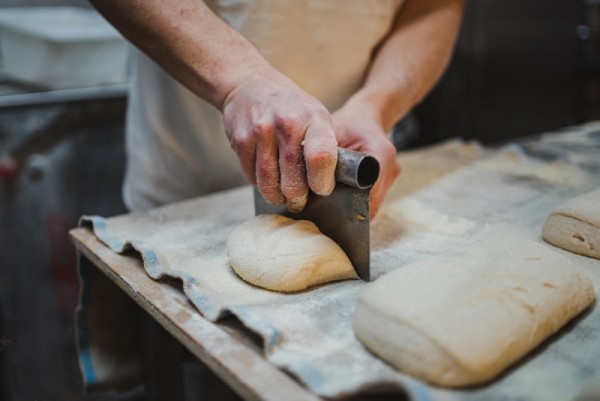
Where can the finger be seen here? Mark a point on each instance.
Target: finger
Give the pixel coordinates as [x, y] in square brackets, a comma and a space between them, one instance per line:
[382, 186]
[244, 146]
[267, 170]
[248, 163]
[376, 198]
[320, 155]
[291, 167]
[296, 205]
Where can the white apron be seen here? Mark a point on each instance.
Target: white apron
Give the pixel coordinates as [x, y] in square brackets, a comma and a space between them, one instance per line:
[176, 143]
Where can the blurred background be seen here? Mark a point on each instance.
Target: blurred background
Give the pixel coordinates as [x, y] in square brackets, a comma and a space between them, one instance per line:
[521, 67]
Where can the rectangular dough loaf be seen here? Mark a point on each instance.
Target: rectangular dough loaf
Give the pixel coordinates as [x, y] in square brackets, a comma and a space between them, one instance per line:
[461, 320]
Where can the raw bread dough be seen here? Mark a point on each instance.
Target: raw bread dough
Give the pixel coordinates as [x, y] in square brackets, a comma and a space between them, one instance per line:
[461, 320]
[575, 225]
[282, 254]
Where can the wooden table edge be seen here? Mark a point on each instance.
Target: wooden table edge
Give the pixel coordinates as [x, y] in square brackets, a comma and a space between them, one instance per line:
[241, 367]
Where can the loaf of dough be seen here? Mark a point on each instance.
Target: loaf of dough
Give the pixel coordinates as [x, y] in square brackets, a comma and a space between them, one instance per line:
[575, 225]
[461, 320]
[282, 254]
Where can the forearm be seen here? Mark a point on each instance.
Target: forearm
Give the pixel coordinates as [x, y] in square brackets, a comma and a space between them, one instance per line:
[411, 60]
[189, 41]
[283, 137]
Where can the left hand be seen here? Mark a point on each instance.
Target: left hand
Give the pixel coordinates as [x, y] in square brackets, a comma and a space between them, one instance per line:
[359, 130]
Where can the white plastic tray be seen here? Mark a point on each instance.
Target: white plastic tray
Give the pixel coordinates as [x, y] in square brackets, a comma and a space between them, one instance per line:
[61, 47]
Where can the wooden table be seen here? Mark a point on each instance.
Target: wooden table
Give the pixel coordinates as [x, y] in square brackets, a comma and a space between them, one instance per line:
[226, 348]
[229, 350]
[243, 367]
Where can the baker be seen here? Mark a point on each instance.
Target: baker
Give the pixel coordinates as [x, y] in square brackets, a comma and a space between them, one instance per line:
[229, 91]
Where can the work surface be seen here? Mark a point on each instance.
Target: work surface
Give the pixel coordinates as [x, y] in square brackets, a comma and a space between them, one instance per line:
[449, 197]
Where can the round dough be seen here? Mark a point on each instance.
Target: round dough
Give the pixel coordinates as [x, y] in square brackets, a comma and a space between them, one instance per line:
[282, 254]
[575, 225]
[461, 320]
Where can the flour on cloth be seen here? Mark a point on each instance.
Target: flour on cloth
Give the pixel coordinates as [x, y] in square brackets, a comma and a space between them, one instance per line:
[478, 193]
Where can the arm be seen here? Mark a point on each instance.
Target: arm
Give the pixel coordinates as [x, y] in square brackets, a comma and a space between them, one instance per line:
[403, 70]
[218, 64]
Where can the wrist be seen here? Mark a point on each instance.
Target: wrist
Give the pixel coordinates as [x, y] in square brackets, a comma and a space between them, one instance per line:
[380, 104]
[362, 106]
[229, 79]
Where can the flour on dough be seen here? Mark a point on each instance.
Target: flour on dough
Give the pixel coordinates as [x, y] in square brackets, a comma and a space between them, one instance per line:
[282, 254]
[575, 225]
[461, 320]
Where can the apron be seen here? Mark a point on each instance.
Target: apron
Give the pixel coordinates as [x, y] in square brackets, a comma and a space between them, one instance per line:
[176, 143]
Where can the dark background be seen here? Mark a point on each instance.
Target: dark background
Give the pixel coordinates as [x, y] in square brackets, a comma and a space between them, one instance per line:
[520, 67]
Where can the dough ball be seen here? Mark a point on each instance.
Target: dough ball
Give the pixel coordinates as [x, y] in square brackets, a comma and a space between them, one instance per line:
[282, 254]
[461, 320]
[575, 225]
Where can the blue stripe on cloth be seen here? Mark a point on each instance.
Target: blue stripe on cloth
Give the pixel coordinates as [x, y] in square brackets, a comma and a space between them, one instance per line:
[83, 340]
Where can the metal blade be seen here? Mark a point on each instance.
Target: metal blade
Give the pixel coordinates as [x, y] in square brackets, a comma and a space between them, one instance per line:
[344, 215]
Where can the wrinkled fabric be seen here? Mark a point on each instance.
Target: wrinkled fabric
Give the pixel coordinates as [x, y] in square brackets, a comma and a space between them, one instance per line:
[449, 198]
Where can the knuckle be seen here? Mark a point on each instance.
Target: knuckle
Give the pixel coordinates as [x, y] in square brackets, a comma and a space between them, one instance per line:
[389, 148]
[266, 172]
[268, 185]
[292, 158]
[321, 157]
[241, 143]
[294, 191]
[262, 130]
[289, 128]
[268, 189]
[271, 194]
[321, 113]
[284, 122]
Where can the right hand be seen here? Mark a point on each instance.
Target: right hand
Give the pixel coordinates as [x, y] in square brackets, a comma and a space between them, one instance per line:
[283, 137]
[359, 130]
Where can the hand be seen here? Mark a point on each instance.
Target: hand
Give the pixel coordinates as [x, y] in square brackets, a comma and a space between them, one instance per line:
[361, 131]
[283, 137]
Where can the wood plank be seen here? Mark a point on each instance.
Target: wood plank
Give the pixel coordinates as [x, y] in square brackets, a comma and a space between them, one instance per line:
[237, 362]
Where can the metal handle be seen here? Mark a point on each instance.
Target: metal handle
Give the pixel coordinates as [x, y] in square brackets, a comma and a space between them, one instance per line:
[356, 169]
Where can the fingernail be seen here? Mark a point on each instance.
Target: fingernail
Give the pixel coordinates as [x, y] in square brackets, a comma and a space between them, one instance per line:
[323, 183]
[272, 197]
[329, 188]
[296, 205]
[278, 200]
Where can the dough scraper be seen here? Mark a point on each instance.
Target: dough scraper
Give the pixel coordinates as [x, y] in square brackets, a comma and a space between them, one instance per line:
[344, 215]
